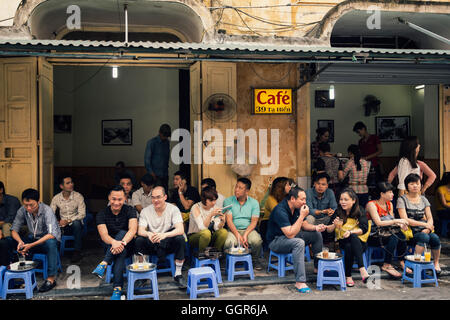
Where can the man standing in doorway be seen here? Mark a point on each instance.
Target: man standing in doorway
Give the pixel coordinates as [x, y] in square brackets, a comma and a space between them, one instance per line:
[156, 158]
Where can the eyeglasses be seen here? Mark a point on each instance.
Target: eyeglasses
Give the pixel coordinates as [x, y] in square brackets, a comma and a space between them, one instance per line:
[157, 197]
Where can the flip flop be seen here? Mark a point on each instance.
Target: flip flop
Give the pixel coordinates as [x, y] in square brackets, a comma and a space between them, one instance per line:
[387, 270]
[350, 284]
[304, 290]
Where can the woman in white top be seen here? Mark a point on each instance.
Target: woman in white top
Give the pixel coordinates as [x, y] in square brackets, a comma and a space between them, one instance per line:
[206, 222]
[409, 150]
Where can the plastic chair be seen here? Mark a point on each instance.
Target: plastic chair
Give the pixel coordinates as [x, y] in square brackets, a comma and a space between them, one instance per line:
[149, 275]
[195, 275]
[355, 265]
[170, 268]
[327, 266]
[231, 262]
[29, 278]
[419, 275]
[375, 254]
[213, 263]
[44, 262]
[65, 238]
[109, 273]
[307, 254]
[283, 264]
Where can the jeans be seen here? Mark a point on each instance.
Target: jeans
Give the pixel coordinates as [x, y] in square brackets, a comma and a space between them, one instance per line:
[354, 248]
[254, 240]
[204, 238]
[390, 243]
[169, 245]
[296, 246]
[49, 248]
[431, 239]
[118, 259]
[76, 229]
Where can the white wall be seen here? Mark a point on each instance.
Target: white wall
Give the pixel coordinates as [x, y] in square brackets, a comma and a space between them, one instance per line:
[8, 10]
[148, 96]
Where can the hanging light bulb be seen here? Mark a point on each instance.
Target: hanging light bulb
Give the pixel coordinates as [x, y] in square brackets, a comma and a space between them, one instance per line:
[331, 92]
[115, 72]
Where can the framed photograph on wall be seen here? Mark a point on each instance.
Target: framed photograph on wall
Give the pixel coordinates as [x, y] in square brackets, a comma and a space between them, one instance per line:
[117, 132]
[394, 128]
[327, 124]
[322, 99]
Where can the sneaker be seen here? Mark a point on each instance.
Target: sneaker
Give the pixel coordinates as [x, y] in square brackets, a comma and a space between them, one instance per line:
[179, 280]
[117, 293]
[100, 270]
[47, 286]
[76, 256]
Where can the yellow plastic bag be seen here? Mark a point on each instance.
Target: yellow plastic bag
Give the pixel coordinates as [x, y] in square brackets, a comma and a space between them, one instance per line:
[408, 233]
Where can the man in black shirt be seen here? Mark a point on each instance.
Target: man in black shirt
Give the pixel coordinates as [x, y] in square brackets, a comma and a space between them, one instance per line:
[183, 195]
[117, 226]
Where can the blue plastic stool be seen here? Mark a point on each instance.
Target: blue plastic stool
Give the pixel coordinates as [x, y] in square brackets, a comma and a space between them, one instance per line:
[63, 246]
[195, 275]
[355, 265]
[283, 264]
[133, 276]
[333, 265]
[419, 275]
[29, 278]
[109, 273]
[170, 268]
[375, 254]
[444, 224]
[231, 262]
[2, 272]
[213, 263]
[307, 254]
[44, 269]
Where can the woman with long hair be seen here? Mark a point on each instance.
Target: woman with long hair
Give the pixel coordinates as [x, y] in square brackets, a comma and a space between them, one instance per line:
[352, 230]
[357, 170]
[381, 212]
[408, 163]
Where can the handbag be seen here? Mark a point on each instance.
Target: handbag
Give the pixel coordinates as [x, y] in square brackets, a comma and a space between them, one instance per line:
[384, 232]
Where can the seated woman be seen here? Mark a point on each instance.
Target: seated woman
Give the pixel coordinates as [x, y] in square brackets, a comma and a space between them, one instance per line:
[443, 199]
[415, 208]
[206, 222]
[358, 171]
[381, 212]
[280, 188]
[352, 230]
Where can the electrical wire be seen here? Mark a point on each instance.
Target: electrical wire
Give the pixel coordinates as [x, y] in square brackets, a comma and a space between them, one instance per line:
[253, 31]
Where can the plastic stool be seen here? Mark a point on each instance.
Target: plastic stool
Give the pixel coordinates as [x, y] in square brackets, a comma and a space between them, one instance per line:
[44, 269]
[29, 277]
[378, 252]
[444, 230]
[197, 274]
[355, 265]
[419, 275]
[307, 254]
[2, 272]
[282, 264]
[109, 273]
[231, 266]
[171, 268]
[63, 246]
[133, 276]
[333, 265]
[213, 263]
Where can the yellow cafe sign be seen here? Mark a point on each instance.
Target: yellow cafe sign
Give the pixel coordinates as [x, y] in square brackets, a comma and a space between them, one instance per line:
[272, 101]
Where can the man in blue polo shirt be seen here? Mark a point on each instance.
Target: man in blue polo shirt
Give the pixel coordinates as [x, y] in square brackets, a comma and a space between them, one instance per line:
[285, 235]
[242, 219]
[321, 201]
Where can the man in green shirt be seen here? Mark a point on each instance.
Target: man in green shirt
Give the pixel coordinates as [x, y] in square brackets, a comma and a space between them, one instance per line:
[242, 219]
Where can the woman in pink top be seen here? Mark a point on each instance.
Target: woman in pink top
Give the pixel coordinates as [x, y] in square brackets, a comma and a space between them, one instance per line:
[409, 149]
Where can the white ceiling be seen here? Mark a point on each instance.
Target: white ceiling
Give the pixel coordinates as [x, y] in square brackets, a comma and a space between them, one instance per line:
[51, 16]
[354, 23]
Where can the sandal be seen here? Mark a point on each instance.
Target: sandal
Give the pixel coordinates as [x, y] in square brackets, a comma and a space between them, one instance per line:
[304, 290]
[350, 283]
[392, 272]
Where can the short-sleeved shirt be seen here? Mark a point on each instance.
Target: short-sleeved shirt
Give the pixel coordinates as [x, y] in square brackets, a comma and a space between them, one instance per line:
[370, 147]
[332, 165]
[8, 208]
[242, 215]
[160, 224]
[73, 208]
[442, 190]
[115, 223]
[269, 205]
[357, 179]
[414, 211]
[140, 198]
[191, 193]
[44, 223]
[281, 217]
[327, 201]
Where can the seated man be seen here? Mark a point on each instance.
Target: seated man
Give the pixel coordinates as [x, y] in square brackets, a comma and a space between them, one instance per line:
[142, 197]
[284, 233]
[209, 182]
[161, 232]
[41, 220]
[117, 226]
[72, 211]
[120, 170]
[242, 219]
[127, 183]
[8, 210]
[321, 201]
[183, 195]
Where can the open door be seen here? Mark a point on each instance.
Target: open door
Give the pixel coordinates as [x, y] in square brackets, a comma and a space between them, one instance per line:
[444, 128]
[18, 125]
[46, 143]
[195, 116]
